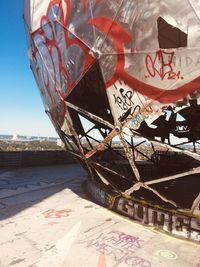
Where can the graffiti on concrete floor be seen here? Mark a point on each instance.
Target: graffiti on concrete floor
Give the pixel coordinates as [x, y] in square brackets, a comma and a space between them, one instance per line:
[119, 246]
[52, 213]
[167, 254]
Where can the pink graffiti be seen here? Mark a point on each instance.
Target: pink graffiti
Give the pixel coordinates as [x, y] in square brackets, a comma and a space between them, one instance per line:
[118, 246]
[135, 261]
[52, 213]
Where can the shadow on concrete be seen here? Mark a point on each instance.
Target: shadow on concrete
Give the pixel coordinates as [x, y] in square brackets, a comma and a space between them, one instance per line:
[23, 188]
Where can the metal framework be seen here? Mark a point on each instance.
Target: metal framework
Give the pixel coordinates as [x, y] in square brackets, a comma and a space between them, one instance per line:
[120, 82]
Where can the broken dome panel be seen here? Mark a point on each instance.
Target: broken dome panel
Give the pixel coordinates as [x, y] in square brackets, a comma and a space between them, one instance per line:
[170, 36]
[90, 94]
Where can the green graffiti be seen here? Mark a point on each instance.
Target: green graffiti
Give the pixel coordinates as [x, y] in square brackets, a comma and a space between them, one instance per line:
[167, 254]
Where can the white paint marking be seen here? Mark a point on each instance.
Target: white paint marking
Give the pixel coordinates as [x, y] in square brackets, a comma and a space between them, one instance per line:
[57, 256]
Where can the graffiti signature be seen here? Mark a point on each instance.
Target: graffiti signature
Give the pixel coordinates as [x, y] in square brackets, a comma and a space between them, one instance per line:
[124, 99]
[162, 65]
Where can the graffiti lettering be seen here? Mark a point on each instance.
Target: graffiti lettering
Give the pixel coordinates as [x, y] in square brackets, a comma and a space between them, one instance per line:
[162, 65]
[137, 262]
[136, 121]
[139, 115]
[101, 196]
[119, 246]
[123, 99]
[176, 224]
[183, 128]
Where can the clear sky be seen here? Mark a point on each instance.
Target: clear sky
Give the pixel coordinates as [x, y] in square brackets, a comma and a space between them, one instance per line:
[21, 107]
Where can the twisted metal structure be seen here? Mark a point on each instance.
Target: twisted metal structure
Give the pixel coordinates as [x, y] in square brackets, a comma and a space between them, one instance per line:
[120, 82]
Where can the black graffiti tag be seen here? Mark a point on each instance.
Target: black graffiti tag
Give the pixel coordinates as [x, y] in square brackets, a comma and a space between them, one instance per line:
[124, 99]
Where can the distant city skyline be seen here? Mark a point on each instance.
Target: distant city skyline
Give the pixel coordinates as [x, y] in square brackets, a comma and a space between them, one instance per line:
[21, 107]
[28, 137]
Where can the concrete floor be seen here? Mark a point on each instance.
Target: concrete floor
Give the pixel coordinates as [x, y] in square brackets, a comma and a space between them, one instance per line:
[47, 221]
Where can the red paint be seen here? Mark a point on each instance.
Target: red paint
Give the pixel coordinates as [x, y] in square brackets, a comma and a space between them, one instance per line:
[52, 213]
[161, 65]
[155, 93]
[60, 67]
[85, 3]
[119, 36]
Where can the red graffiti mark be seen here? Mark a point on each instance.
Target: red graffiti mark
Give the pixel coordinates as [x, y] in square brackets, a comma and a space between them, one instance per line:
[161, 65]
[52, 213]
[50, 47]
[54, 69]
[155, 93]
[119, 246]
[119, 36]
[85, 3]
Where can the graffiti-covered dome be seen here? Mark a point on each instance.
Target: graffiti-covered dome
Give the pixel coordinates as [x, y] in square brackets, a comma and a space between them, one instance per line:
[120, 81]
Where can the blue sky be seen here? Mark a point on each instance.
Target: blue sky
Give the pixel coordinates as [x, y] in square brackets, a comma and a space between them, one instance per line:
[21, 107]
